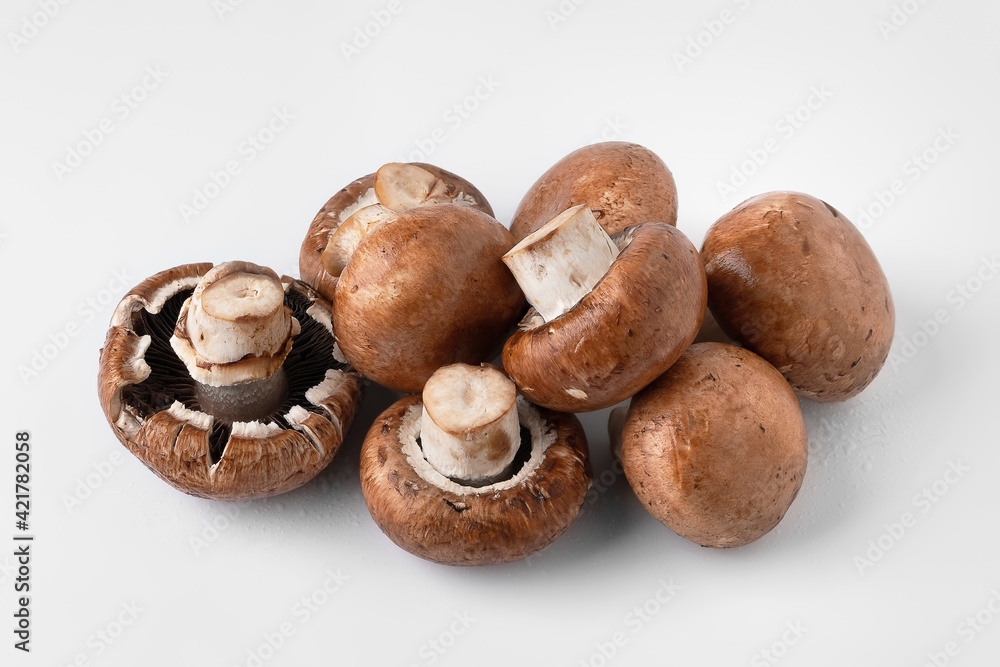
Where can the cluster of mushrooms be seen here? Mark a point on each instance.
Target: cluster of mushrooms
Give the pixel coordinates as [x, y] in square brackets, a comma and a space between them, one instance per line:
[231, 382]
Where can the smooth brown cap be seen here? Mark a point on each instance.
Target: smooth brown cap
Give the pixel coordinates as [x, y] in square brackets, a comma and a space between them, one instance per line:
[716, 447]
[173, 438]
[635, 322]
[327, 220]
[470, 528]
[792, 279]
[623, 183]
[424, 290]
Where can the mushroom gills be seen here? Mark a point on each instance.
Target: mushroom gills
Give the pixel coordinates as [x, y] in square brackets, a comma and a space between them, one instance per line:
[469, 429]
[560, 263]
[304, 368]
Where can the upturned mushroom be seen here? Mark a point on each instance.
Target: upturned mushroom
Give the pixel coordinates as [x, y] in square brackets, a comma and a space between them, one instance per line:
[336, 231]
[792, 279]
[609, 314]
[716, 448]
[223, 381]
[623, 183]
[470, 474]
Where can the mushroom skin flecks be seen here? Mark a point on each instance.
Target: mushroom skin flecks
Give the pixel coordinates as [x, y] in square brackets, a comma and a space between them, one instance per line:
[268, 439]
[716, 447]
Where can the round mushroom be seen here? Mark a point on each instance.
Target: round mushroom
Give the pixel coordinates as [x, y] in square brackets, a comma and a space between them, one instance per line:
[424, 290]
[792, 279]
[715, 448]
[623, 183]
[470, 474]
[223, 380]
[393, 189]
[609, 314]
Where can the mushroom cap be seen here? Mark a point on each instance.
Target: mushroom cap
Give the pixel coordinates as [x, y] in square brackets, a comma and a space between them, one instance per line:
[630, 328]
[792, 279]
[150, 402]
[424, 290]
[716, 447]
[330, 217]
[460, 525]
[623, 183]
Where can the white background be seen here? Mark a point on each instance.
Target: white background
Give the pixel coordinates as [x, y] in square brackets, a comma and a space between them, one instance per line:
[557, 82]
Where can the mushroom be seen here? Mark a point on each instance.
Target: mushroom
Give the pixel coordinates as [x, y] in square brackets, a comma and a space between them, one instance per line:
[470, 474]
[792, 279]
[399, 187]
[716, 448]
[609, 314]
[223, 381]
[424, 290]
[623, 183]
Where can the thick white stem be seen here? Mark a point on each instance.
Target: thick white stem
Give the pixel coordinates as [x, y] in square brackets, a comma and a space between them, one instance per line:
[235, 327]
[469, 429]
[401, 187]
[560, 263]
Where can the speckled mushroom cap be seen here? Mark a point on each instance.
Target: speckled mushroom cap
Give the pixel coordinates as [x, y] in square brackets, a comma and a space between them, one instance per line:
[424, 290]
[623, 183]
[716, 448]
[792, 279]
[437, 519]
[357, 195]
[151, 402]
[630, 328]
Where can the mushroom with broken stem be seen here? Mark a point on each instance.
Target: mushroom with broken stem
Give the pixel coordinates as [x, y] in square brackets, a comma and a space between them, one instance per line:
[223, 380]
[609, 313]
[468, 474]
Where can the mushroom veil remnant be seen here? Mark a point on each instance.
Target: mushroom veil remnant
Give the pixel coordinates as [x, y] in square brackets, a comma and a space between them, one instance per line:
[469, 474]
[223, 380]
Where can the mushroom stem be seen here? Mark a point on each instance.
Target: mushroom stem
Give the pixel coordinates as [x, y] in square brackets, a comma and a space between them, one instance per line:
[235, 328]
[244, 401]
[560, 263]
[401, 187]
[469, 430]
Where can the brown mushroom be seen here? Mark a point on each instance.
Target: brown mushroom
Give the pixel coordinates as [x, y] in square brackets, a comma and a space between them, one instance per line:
[223, 380]
[716, 448]
[460, 511]
[792, 279]
[424, 290]
[415, 183]
[623, 183]
[608, 316]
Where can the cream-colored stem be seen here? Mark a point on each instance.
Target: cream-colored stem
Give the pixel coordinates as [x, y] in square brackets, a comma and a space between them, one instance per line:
[238, 310]
[469, 430]
[560, 263]
[401, 187]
